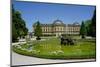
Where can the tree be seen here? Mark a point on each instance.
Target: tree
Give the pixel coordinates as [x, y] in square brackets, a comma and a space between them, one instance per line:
[14, 30]
[18, 25]
[93, 25]
[38, 30]
[87, 25]
[83, 30]
[14, 33]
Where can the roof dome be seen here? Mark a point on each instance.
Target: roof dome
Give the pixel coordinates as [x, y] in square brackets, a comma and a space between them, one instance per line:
[58, 22]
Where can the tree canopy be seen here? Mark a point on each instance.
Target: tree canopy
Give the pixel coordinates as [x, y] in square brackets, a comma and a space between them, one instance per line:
[91, 25]
[87, 25]
[83, 30]
[18, 25]
[38, 30]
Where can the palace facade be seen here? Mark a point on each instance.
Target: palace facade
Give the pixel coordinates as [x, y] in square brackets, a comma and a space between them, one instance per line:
[58, 28]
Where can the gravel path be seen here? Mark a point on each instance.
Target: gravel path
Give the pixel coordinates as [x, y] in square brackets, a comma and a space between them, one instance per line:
[18, 59]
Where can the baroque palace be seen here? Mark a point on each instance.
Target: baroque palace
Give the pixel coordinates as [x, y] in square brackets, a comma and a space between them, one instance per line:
[58, 28]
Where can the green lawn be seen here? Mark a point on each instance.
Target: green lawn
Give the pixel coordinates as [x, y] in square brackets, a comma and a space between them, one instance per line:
[51, 48]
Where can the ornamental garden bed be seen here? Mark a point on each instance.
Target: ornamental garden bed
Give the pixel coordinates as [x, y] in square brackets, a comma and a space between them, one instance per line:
[52, 49]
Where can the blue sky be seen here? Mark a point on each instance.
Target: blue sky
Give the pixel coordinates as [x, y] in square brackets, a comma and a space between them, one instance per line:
[47, 13]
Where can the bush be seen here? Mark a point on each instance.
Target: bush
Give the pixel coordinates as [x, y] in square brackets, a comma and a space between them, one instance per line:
[38, 38]
[67, 40]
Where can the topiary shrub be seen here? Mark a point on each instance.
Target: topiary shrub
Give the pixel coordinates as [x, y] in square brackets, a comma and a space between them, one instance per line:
[38, 38]
[67, 40]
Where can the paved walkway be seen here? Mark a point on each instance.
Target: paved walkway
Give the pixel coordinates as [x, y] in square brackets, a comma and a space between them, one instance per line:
[18, 59]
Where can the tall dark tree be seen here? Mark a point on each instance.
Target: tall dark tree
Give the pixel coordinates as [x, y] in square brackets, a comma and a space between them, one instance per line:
[14, 30]
[18, 25]
[87, 25]
[14, 33]
[38, 30]
[83, 30]
[93, 25]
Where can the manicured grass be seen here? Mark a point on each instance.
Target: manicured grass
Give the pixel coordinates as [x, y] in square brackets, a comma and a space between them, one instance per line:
[51, 48]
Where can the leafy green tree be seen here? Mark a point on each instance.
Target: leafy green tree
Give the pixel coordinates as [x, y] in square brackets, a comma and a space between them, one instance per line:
[83, 30]
[87, 25]
[38, 30]
[14, 30]
[14, 33]
[18, 25]
[93, 25]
